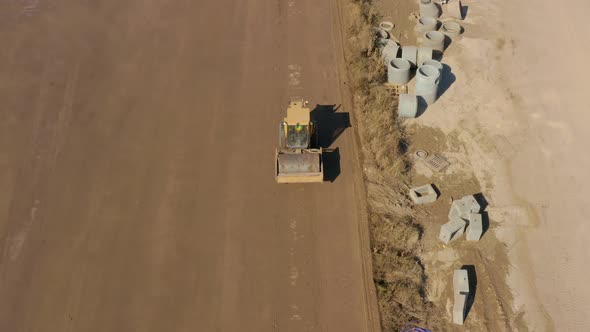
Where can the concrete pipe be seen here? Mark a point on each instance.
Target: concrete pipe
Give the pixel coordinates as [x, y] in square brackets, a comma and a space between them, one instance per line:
[410, 53]
[387, 26]
[454, 9]
[435, 40]
[429, 8]
[381, 42]
[435, 64]
[427, 82]
[381, 33]
[427, 23]
[398, 71]
[451, 29]
[407, 106]
[390, 51]
[424, 53]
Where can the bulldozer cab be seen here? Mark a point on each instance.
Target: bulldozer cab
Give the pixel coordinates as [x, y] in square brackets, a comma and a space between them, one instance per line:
[298, 136]
[297, 160]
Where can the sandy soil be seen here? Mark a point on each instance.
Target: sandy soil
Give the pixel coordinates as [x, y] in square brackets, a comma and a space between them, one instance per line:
[136, 167]
[512, 116]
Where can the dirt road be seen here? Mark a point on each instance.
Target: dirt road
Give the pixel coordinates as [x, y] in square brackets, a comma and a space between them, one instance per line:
[136, 167]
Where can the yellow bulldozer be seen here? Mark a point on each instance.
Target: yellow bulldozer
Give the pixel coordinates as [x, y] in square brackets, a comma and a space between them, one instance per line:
[298, 158]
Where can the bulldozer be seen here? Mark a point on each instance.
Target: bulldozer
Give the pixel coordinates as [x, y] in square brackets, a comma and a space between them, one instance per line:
[298, 158]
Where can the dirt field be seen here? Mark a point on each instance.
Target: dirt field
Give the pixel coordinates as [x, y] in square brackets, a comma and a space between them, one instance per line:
[136, 167]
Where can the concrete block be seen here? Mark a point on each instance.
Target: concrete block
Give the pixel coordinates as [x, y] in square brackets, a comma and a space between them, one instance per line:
[452, 230]
[423, 194]
[460, 281]
[471, 203]
[475, 227]
[461, 294]
[459, 308]
[460, 209]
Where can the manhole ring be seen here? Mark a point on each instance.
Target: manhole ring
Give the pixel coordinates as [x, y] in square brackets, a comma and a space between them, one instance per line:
[421, 154]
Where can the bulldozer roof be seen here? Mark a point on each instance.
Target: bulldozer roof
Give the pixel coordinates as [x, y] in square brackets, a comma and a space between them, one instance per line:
[297, 113]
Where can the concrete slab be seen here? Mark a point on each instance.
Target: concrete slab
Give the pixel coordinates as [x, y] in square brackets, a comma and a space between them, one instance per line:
[423, 194]
[475, 227]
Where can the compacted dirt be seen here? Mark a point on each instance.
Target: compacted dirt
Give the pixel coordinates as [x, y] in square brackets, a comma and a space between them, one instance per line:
[136, 167]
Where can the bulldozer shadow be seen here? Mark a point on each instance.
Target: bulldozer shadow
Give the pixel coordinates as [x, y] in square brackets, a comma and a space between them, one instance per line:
[331, 158]
[331, 124]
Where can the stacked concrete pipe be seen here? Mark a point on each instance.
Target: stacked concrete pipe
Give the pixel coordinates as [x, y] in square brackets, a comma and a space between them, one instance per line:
[427, 23]
[424, 54]
[434, 63]
[434, 40]
[429, 8]
[398, 71]
[427, 82]
[410, 53]
[390, 51]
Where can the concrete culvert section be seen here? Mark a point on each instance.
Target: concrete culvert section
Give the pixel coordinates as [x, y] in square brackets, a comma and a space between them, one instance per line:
[451, 29]
[434, 39]
[390, 51]
[434, 63]
[407, 106]
[381, 42]
[427, 23]
[410, 53]
[427, 81]
[429, 8]
[424, 53]
[398, 71]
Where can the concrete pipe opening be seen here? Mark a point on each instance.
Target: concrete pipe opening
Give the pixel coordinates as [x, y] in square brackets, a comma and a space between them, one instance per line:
[398, 71]
[428, 73]
[435, 39]
[400, 64]
[433, 63]
[386, 25]
[451, 28]
[427, 23]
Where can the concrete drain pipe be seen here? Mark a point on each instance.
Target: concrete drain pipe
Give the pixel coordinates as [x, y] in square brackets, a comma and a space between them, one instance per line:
[429, 8]
[427, 23]
[435, 64]
[410, 53]
[427, 81]
[407, 106]
[398, 71]
[435, 40]
[424, 54]
[451, 29]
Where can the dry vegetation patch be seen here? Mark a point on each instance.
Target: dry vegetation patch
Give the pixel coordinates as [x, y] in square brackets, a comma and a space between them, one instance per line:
[395, 235]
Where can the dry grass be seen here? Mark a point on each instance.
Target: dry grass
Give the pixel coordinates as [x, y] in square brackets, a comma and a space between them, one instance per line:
[395, 236]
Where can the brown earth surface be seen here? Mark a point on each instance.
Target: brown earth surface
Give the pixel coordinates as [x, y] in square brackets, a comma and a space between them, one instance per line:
[136, 167]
